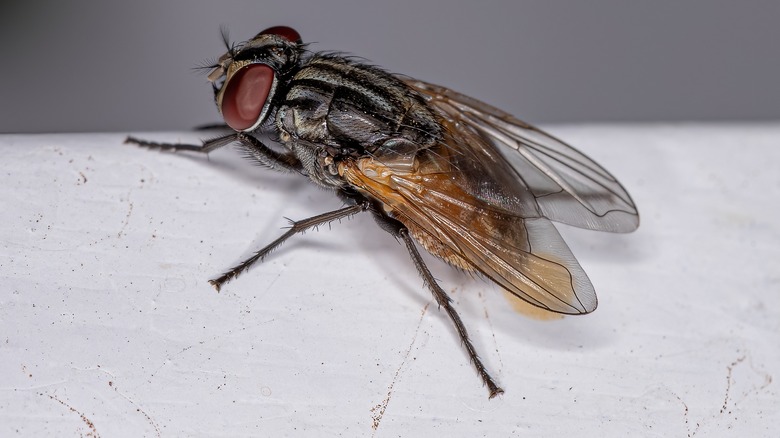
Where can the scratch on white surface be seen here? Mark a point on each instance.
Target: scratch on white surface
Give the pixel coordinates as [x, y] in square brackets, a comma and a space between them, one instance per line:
[685, 417]
[169, 285]
[248, 303]
[29, 375]
[113, 385]
[169, 358]
[272, 282]
[730, 381]
[729, 405]
[127, 217]
[138, 408]
[92, 430]
[378, 411]
[492, 332]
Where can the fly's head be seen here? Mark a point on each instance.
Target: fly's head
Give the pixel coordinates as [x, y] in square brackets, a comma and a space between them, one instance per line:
[247, 77]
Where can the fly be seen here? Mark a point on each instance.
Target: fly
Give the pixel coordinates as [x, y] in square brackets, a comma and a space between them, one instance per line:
[468, 182]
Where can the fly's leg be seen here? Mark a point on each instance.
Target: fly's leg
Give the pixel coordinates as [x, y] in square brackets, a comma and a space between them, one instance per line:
[214, 126]
[446, 302]
[297, 227]
[269, 157]
[256, 149]
[206, 147]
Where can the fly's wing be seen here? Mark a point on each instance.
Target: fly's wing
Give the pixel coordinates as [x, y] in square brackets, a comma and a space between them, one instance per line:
[568, 186]
[434, 198]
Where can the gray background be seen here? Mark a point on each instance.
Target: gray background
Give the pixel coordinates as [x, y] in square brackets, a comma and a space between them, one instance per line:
[127, 66]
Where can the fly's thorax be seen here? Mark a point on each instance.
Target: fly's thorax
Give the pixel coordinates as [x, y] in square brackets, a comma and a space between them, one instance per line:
[357, 105]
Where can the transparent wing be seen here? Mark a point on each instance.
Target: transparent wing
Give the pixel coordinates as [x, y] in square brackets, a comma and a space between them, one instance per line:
[524, 255]
[568, 186]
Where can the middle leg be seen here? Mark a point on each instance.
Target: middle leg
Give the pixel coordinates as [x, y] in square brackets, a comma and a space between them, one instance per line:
[297, 227]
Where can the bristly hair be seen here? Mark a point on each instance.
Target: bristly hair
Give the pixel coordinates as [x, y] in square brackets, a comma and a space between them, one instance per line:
[351, 58]
[230, 47]
[213, 62]
[233, 49]
[206, 65]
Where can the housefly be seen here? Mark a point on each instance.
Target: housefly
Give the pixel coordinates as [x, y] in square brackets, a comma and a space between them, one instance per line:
[468, 182]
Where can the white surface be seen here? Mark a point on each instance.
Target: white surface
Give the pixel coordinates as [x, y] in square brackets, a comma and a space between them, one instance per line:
[108, 325]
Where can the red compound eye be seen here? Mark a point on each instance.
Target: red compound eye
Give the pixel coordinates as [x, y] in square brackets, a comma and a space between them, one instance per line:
[285, 32]
[245, 96]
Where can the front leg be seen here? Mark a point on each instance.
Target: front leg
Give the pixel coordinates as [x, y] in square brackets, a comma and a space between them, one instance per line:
[295, 228]
[269, 157]
[256, 149]
[206, 147]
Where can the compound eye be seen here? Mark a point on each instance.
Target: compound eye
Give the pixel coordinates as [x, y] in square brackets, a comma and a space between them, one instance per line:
[285, 32]
[245, 96]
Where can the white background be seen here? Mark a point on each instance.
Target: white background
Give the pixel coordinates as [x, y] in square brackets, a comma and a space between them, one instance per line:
[108, 325]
